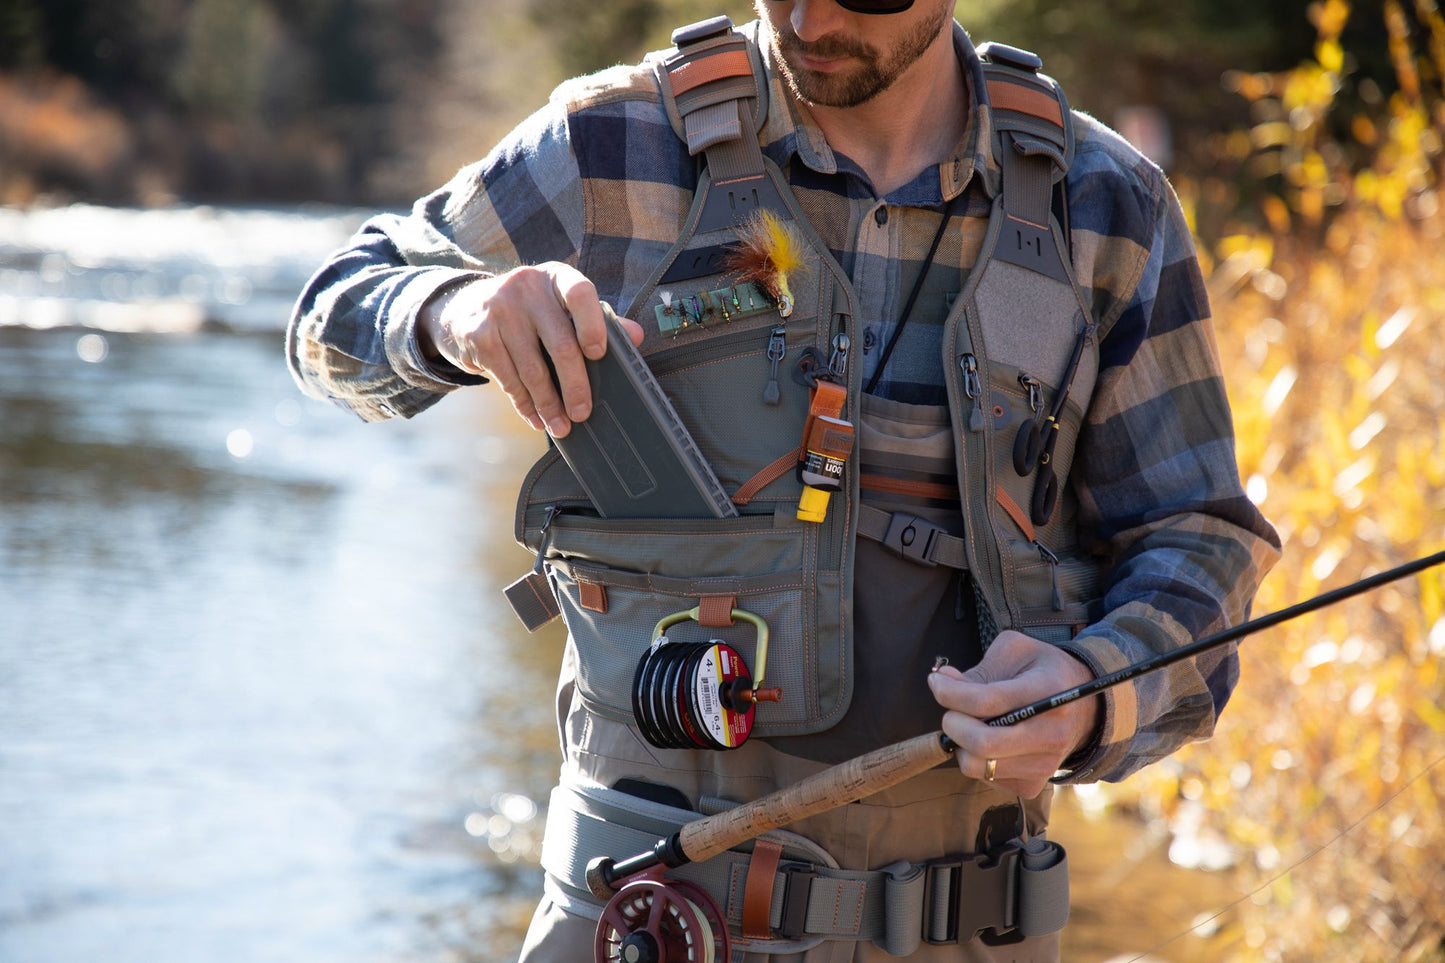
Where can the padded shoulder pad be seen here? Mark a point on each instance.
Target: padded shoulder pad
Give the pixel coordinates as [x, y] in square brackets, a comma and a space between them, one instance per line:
[1028, 106]
[711, 68]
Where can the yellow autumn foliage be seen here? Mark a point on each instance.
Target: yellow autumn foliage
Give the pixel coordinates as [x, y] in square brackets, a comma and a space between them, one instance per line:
[1323, 783]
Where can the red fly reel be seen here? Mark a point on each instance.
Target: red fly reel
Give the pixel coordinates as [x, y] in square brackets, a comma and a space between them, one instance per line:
[698, 695]
[652, 920]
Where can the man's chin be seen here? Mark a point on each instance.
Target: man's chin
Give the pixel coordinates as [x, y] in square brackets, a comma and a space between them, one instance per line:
[833, 88]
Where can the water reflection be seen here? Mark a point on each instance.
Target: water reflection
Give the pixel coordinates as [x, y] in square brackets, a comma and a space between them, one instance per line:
[257, 683]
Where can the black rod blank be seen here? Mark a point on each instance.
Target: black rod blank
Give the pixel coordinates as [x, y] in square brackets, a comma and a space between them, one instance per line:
[1095, 686]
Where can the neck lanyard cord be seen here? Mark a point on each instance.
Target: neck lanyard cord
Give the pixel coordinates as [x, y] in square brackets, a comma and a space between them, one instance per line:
[912, 296]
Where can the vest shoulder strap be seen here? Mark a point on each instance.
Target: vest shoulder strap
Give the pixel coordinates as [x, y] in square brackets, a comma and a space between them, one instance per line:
[716, 96]
[1033, 135]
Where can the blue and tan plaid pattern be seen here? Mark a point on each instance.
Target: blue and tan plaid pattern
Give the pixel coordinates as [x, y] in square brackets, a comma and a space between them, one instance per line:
[598, 179]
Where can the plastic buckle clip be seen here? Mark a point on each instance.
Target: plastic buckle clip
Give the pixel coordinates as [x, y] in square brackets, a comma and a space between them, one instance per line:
[705, 30]
[1003, 54]
[912, 538]
[965, 895]
[797, 885]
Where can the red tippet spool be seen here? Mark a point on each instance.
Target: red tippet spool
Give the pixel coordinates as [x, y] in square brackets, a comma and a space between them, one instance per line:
[684, 696]
[699, 695]
[654, 920]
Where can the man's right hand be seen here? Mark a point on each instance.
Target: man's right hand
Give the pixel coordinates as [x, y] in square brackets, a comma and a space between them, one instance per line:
[500, 327]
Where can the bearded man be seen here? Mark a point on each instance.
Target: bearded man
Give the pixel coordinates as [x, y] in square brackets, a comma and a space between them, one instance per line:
[1118, 529]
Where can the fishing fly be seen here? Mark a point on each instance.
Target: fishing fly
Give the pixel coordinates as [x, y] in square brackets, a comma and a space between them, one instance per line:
[768, 253]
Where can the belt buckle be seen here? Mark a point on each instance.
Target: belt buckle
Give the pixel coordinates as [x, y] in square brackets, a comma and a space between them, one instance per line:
[978, 893]
[797, 885]
[912, 538]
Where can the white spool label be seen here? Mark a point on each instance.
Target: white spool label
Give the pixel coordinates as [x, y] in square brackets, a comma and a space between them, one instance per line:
[719, 666]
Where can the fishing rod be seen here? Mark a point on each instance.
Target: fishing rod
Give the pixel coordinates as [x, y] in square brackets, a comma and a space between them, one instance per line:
[626, 919]
[1199, 647]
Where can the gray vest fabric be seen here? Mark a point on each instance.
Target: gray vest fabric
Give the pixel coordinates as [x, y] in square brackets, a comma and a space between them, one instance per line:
[1011, 326]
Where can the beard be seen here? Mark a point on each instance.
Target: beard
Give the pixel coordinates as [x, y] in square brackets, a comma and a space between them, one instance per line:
[874, 72]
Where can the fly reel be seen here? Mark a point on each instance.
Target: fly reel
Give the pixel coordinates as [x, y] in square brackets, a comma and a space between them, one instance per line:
[653, 920]
[698, 695]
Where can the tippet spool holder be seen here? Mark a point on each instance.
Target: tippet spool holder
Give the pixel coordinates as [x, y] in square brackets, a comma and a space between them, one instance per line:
[698, 695]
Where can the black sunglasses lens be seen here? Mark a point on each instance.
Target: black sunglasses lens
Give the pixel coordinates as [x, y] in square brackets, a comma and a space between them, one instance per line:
[875, 6]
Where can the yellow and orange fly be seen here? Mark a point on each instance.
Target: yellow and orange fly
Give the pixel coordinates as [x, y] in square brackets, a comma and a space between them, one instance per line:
[769, 253]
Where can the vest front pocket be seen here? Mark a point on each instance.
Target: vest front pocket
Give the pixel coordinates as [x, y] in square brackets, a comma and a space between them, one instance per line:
[616, 579]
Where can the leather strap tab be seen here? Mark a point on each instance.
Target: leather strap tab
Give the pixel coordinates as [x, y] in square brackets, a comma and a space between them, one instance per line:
[715, 66]
[828, 399]
[758, 890]
[1004, 95]
[716, 611]
[592, 596]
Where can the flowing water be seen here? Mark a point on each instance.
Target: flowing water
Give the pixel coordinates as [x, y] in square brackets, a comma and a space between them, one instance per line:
[260, 697]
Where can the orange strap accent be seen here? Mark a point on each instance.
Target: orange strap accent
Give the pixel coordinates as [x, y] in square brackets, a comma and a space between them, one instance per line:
[716, 611]
[767, 476]
[828, 399]
[592, 596]
[1004, 95]
[902, 486]
[706, 69]
[1016, 513]
[758, 889]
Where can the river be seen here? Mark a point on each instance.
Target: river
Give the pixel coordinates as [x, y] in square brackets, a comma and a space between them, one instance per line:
[260, 695]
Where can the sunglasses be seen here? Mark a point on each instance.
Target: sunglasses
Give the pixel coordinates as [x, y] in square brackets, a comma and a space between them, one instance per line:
[875, 6]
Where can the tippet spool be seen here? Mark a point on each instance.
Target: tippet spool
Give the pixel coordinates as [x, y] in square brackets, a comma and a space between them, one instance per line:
[698, 695]
[652, 920]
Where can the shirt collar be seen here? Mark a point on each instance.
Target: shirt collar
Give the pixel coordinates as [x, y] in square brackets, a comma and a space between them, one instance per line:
[790, 130]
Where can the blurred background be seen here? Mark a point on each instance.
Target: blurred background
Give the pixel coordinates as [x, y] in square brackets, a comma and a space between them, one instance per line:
[259, 696]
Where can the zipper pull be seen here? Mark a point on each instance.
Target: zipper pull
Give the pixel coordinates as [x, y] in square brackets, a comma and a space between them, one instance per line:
[543, 535]
[1035, 390]
[777, 347]
[838, 363]
[973, 389]
[1053, 561]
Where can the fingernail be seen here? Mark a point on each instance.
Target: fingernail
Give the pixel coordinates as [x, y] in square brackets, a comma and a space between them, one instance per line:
[558, 427]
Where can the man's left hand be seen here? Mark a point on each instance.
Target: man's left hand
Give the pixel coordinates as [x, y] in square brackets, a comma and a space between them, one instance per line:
[1017, 670]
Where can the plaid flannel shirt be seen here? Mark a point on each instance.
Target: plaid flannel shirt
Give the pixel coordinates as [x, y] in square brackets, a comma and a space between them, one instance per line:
[598, 179]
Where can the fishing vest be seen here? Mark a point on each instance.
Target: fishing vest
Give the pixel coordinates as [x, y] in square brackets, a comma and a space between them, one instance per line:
[742, 374]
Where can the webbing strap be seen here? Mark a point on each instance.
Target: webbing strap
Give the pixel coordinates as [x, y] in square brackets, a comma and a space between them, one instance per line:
[716, 96]
[912, 538]
[1034, 144]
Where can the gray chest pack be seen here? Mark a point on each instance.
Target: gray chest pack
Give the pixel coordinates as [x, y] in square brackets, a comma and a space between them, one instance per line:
[1020, 352]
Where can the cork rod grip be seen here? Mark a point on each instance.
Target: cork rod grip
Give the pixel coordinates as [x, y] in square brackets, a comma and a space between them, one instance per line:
[833, 787]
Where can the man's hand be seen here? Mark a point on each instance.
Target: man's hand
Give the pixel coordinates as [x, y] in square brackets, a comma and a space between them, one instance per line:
[500, 327]
[1016, 670]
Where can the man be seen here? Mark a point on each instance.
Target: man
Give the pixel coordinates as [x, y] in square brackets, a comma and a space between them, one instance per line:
[877, 124]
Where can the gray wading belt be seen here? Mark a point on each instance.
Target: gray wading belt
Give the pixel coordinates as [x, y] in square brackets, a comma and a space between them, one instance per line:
[898, 907]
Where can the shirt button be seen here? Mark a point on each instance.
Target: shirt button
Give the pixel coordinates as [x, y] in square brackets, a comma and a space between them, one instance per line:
[881, 216]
